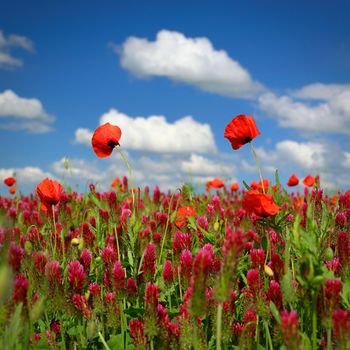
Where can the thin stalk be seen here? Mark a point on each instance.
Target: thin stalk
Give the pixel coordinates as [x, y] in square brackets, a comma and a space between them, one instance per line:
[117, 240]
[268, 335]
[218, 326]
[139, 270]
[257, 335]
[54, 229]
[180, 287]
[258, 166]
[166, 229]
[314, 321]
[103, 341]
[169, 301]
[329, 339]
[122, 325]
[130, 174]
[152, 345]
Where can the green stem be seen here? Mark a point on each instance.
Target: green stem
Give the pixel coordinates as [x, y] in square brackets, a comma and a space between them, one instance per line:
[314, 321]
[258, 166]
[117, 240]
[54, 230]
[122, 325]
[180, 287]
[329, 339]
[169, 301]
[166, 229]
[130, 174]
[218, 326]
[103, 341]
[257, 334]
[152, 345]
[268, 335]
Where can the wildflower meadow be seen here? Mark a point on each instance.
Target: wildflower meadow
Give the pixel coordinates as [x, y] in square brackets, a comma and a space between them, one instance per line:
[237, 266]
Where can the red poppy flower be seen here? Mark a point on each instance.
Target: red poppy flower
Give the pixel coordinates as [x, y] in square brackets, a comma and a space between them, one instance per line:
[10, 181]
[49, 192]
[241, 130]
[105, 138]
[347, 195]
[261, 204]
[117, 184]
[309, 181]
[183, 213]
[12, 190]
[215, 183]
[265, 183]
[293, 181]
[254, 185]
[234, 187]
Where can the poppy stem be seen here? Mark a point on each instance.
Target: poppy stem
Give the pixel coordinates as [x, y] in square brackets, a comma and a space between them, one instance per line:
[54, 229]
[130, 173]
[218, 326]
[258, 166]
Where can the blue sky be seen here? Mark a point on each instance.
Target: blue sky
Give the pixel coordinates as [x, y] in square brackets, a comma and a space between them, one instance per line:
[286, 63]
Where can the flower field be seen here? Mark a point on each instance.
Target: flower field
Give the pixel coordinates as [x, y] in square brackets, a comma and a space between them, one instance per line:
[254, 267]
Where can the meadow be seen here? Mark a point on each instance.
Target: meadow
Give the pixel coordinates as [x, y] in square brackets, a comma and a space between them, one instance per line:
[236, 267]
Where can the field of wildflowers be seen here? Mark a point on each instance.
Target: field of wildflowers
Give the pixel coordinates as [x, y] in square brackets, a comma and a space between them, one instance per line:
[256, 267]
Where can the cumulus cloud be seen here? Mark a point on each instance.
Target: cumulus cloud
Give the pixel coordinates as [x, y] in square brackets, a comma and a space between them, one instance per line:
[324, 158]
[168, 171]
[10, 42]
[155, 134]
[77, 168]
[315, 108]
[319, 91]
[310, 155]
[19, 113]
[346, 160]
[27, 177]
[189, 60]
[83, 136]
[199, 165]
[305, 156]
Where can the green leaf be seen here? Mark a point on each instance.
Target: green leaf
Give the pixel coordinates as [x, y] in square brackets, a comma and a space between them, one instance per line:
[275, 312]
[134, 312]
[94, 200]
[305, 341]
[345, 294]
[12, 332]
[277, 179]
[73, 331]
[246, 185]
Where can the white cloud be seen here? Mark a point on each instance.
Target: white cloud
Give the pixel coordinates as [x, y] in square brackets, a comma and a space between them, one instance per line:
[7, 44]
[199, 165]
[83, 136]
[319, 91]
[26, 176]
[329, 114]
[189, 60]
[168, 171]
[346, 161]
[308, 156]
[155, 134]
[23, 113]
[77, 168]
[324, 158]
